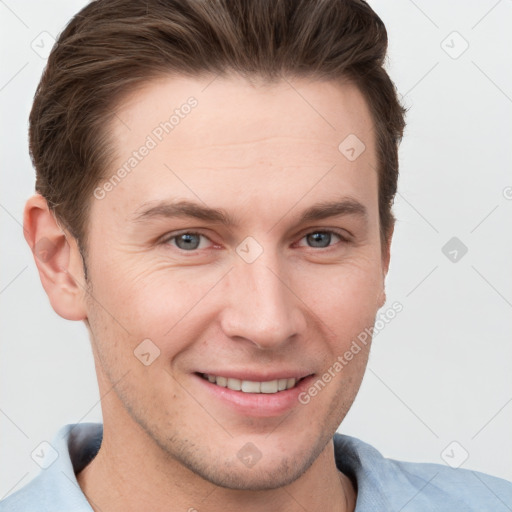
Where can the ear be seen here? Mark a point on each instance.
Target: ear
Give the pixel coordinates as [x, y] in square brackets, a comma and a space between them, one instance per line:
[386, 257]
[57, 258]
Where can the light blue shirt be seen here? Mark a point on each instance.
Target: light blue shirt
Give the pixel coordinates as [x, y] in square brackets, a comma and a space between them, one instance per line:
[382, 484]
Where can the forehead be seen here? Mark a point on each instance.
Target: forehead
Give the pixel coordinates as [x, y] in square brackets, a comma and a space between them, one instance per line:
[205, 136]
[320, 111]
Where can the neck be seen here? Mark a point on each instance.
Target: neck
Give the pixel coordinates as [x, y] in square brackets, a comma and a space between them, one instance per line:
[144, 477]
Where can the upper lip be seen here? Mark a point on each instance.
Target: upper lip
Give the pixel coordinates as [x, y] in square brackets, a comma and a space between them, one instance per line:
[260, 376]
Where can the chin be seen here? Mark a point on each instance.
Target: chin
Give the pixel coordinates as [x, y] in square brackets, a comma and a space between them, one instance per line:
[272, 475]
[230, 472]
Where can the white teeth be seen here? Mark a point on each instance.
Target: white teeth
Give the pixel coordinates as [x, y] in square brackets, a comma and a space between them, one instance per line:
[269, 387]
[221, 381]
[281, 384]
[234, 384]
[248, 386]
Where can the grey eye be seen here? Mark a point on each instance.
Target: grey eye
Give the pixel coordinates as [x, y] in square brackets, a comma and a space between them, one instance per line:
[188, 241]
[319, 239]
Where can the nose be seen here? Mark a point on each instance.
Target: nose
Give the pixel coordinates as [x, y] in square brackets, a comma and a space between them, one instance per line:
[260, 306]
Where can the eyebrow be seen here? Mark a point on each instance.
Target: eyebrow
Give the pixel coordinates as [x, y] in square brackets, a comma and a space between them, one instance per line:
[185, 208]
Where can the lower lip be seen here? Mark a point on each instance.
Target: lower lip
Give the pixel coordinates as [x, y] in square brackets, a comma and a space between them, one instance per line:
[257, 404]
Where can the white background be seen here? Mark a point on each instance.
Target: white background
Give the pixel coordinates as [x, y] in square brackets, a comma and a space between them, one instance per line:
[440, 371]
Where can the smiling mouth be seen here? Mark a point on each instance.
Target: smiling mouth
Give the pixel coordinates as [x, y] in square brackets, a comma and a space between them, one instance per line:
[249, 386]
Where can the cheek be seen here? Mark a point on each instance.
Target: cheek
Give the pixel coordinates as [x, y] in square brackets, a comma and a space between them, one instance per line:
[159, 303]
[345, 298]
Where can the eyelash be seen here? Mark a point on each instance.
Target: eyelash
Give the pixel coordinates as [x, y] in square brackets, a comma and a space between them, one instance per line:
[343, 239]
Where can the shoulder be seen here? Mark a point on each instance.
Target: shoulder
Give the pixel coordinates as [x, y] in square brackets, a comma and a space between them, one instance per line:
[55, 487]
[413, 486]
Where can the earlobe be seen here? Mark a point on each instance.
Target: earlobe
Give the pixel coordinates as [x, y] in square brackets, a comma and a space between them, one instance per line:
[57, 258]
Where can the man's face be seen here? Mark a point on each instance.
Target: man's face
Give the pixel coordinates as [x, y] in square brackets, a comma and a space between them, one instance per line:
[270, 296]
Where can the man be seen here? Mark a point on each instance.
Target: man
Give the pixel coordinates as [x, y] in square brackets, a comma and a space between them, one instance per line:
[215, 181]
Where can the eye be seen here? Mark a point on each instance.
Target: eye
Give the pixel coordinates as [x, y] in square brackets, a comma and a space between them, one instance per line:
[322, 239]
[187, 241]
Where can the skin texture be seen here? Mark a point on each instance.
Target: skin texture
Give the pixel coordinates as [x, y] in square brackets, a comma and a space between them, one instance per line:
[264, 154]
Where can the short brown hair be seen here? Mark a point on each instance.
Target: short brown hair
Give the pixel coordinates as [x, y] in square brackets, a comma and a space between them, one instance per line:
[112, 46]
